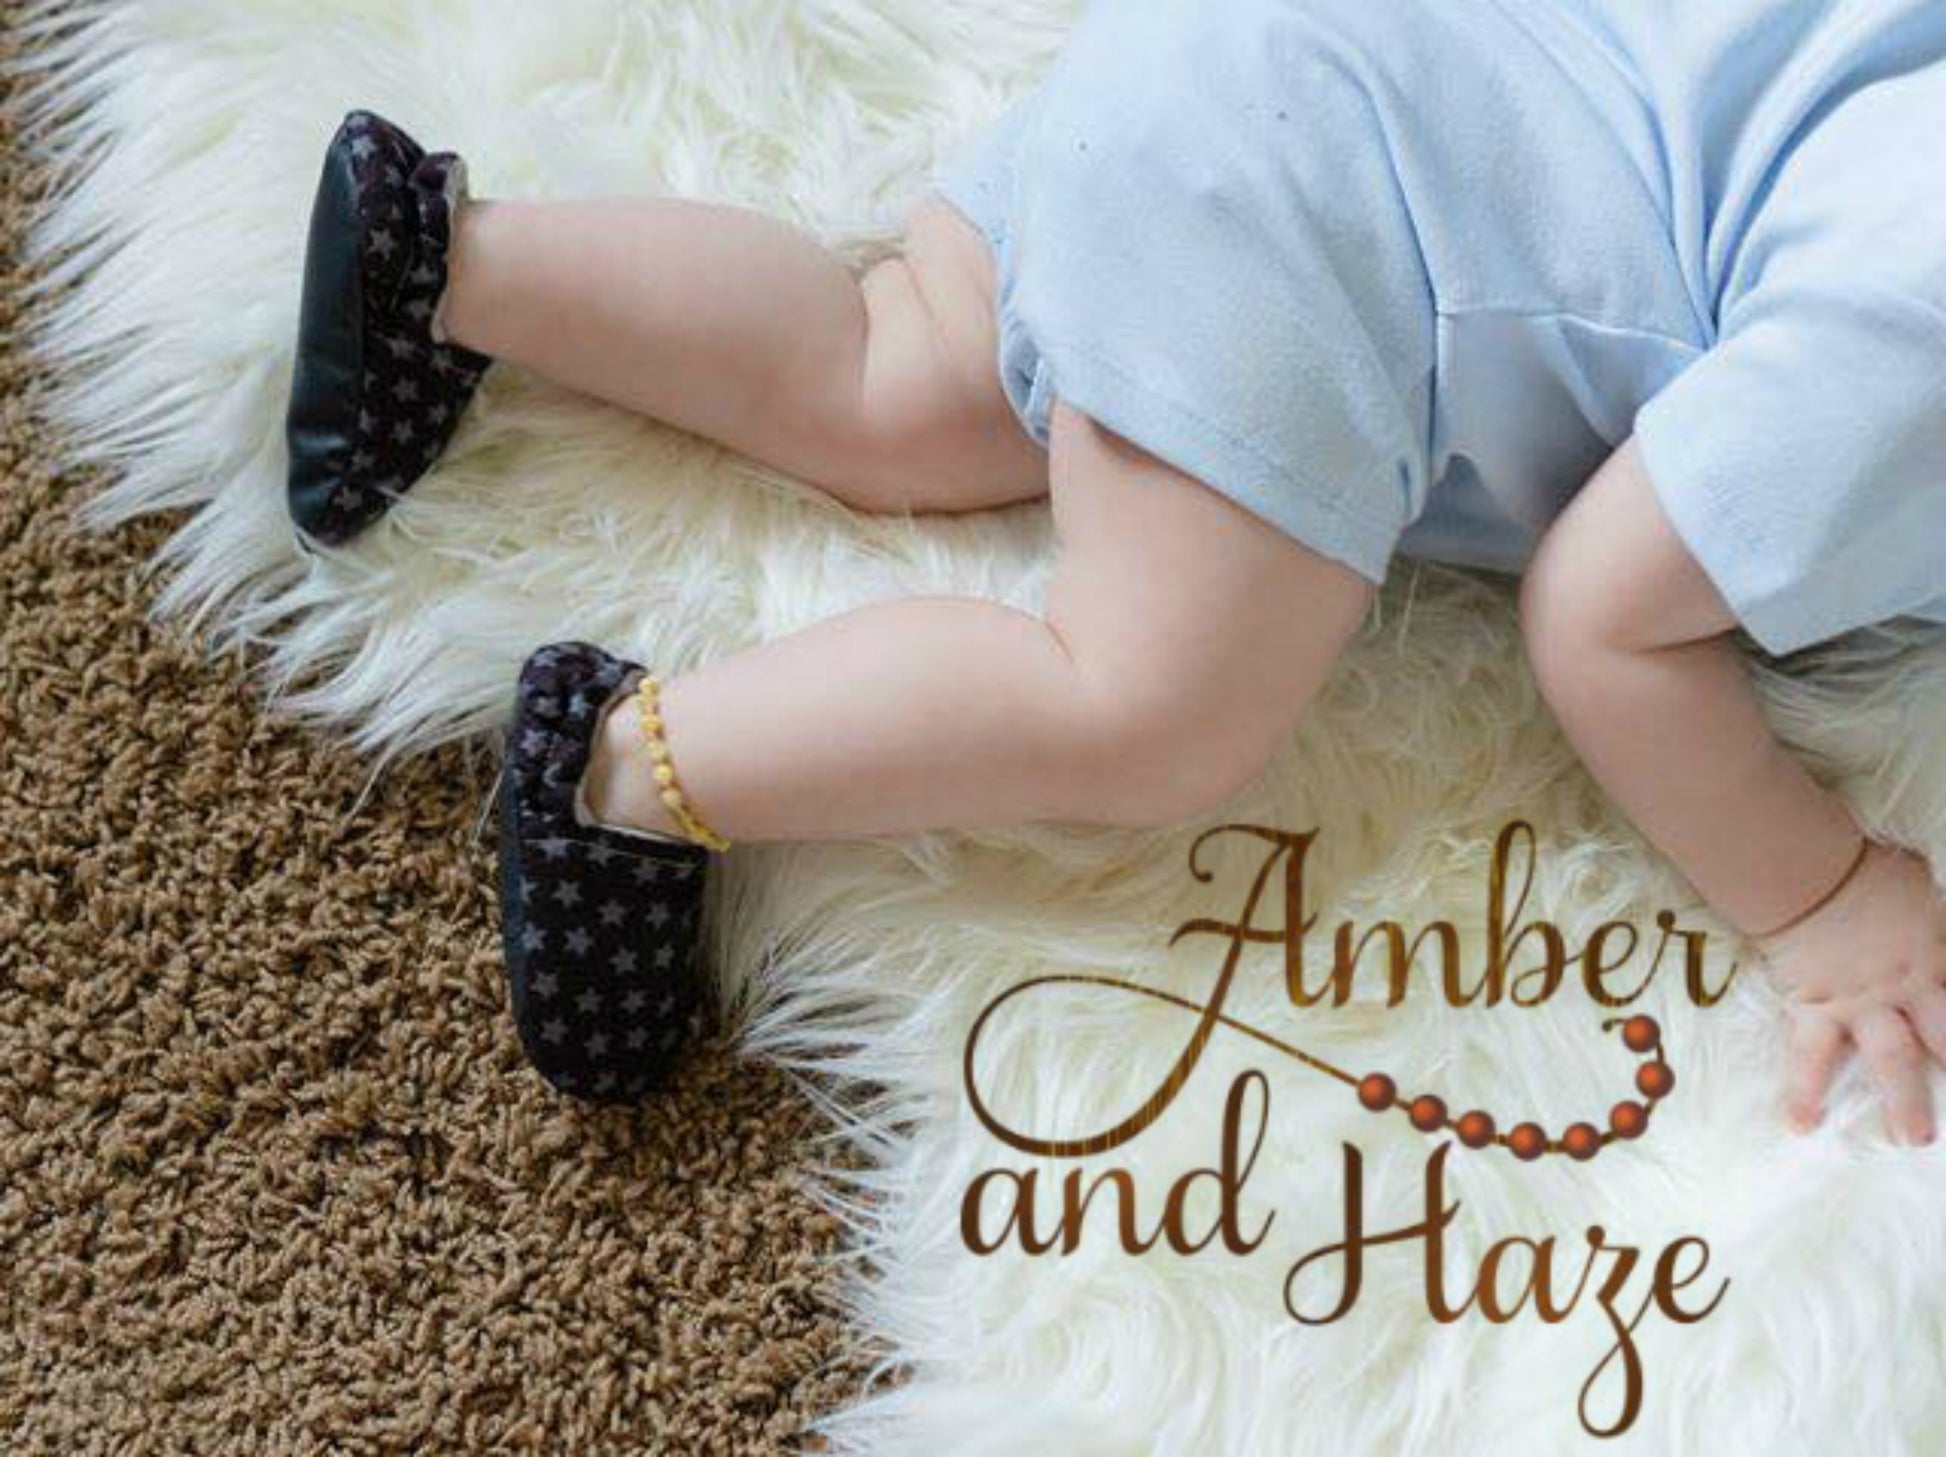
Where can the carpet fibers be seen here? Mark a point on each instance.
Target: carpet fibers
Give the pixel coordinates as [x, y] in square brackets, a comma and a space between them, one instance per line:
[273, 1177]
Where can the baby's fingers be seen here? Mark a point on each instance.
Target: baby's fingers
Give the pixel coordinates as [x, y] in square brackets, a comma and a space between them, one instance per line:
[1898, 1066]
[1817, 1047]
[1928, 1016]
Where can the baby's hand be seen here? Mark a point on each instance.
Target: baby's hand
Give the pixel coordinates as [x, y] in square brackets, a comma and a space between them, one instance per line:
[1868, 970]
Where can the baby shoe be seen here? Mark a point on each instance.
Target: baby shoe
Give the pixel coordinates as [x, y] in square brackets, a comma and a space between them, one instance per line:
[374, 396]
[601, 927]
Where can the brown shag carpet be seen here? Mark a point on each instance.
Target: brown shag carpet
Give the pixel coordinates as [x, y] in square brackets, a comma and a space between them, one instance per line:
[273, 1177]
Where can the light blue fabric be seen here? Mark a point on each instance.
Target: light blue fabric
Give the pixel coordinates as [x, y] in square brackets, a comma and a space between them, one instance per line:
[1399, 274]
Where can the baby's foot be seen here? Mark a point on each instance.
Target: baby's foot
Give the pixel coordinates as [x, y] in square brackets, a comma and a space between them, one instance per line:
[375, 397]
[601, 927]
[1868, 970]
[620, 788]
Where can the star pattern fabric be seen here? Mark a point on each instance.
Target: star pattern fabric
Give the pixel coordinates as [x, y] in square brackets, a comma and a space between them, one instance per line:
[601, 929]
[411, 390]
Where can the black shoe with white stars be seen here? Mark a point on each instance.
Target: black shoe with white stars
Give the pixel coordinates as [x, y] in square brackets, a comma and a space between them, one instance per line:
[601, 928]
[374, 397]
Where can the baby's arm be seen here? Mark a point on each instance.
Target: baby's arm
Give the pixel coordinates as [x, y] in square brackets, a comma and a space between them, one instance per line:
[1628, 640]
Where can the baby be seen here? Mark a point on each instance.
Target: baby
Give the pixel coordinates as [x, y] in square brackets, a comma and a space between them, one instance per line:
[1643, 298]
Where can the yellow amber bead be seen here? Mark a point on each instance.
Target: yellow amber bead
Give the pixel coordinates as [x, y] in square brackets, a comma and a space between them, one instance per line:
[672, 798]
[665, 774]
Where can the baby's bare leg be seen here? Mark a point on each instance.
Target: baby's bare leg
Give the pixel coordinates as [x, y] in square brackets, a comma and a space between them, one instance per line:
[883, 390]
[1182, 639]
[1629, 643]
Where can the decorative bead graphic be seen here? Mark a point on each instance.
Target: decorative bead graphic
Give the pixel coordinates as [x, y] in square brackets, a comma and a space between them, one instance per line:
[1581, 1141]
[1428, 1113]
[1628, 1119]
[1378, 1092]
[1640, 1034]
[1475, 1129]
[1528, 1141]
[1656, 1080]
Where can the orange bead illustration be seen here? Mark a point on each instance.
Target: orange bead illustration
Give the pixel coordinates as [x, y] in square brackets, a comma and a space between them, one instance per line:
[1377, 1092]
[1528, 1141]
[1475, 1129]
[1581, 1141]
[1655, 1079]
[1641, 1034]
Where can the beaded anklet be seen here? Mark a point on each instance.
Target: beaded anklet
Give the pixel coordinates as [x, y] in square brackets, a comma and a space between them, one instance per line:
[647, 694]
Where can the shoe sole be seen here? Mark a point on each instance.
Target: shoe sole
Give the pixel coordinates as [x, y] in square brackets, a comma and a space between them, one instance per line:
[330, 363]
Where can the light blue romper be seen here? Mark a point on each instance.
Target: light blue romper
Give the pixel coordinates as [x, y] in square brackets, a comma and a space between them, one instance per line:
[1399, 274]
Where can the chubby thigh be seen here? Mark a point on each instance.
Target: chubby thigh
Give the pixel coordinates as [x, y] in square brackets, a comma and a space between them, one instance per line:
[934, 364]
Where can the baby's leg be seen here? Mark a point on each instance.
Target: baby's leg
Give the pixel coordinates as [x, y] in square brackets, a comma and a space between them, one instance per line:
[1182, 639]
[884, 391]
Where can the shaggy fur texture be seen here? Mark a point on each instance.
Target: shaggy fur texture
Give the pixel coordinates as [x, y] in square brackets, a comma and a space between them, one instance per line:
[190, 130]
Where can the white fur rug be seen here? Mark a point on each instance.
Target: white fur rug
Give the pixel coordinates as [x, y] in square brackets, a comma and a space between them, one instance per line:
[191, 129]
